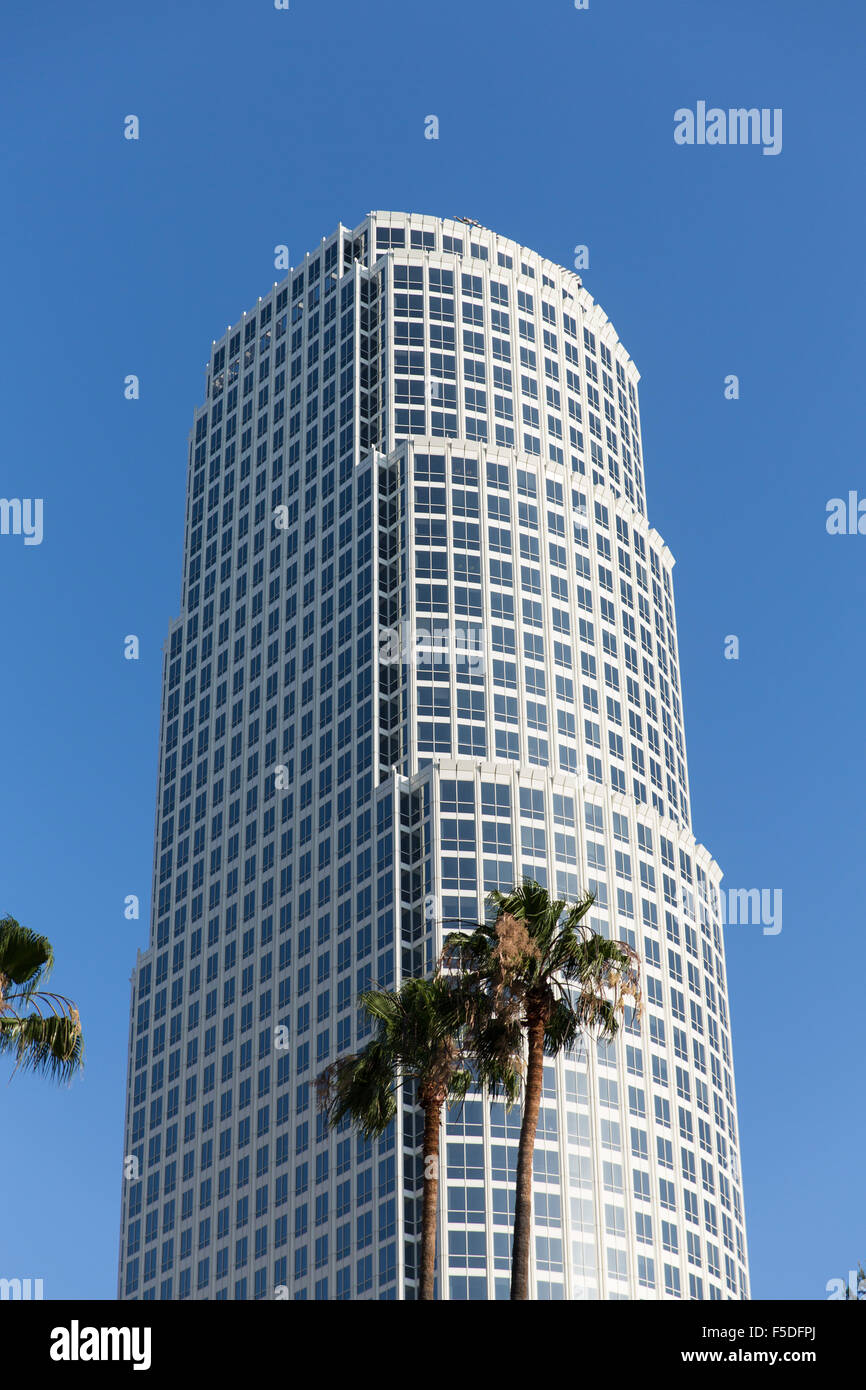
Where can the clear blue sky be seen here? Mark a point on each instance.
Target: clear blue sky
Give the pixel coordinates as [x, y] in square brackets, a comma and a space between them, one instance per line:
[261, 127]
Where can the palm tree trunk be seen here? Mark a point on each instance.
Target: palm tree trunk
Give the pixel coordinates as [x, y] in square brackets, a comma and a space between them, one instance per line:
[528, 1128]
[432, 1121]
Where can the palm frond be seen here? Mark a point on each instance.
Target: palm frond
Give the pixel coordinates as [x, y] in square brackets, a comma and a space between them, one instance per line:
[462, 1081]
[363, 1087]
[561, 1028]
[52, 1047]
[26, 958]
[381, 1004]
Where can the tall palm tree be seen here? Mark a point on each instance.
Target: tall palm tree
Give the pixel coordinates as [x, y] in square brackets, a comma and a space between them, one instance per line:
[422, 1037]
[40, 1028]
[548, 972]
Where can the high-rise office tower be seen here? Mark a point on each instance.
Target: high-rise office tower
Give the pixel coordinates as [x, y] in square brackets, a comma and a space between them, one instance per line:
[427, 646]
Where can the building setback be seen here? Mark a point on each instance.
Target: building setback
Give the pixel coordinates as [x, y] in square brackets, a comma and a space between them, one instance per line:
[427, 646]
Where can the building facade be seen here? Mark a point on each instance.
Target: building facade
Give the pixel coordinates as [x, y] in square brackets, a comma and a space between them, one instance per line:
[427, 646]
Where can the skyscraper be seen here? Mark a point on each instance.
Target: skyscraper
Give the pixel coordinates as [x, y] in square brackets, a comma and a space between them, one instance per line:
[427, 646]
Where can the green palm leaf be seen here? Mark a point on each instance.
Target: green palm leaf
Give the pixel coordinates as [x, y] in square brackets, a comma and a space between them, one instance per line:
[51, 1046]
[41, 1030]
[25, 957]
